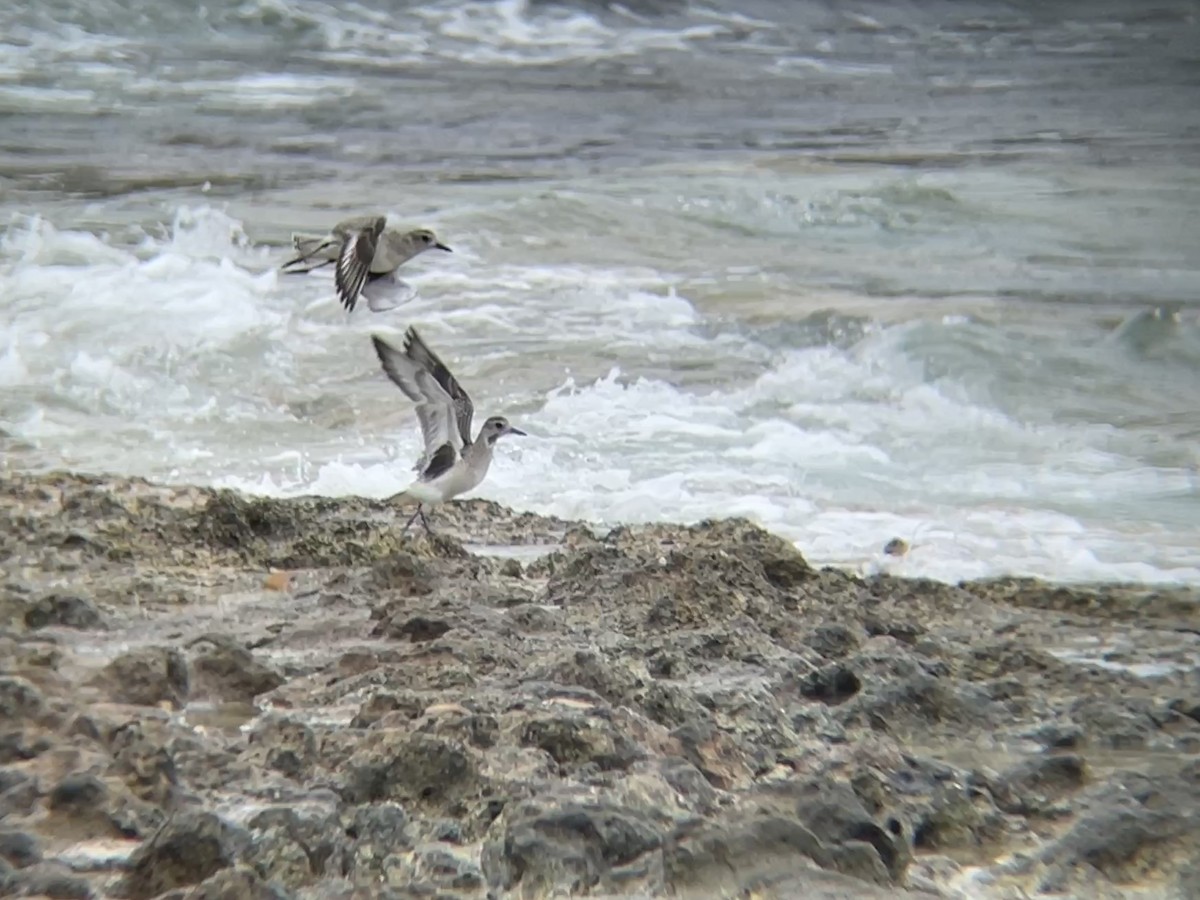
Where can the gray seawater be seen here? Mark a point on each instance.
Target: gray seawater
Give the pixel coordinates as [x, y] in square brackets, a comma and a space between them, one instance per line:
[855, 270]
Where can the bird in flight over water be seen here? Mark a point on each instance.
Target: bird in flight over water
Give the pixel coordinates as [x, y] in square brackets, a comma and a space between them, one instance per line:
[367, 254]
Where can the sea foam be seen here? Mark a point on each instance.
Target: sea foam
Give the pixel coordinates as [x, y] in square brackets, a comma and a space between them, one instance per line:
[186, 357]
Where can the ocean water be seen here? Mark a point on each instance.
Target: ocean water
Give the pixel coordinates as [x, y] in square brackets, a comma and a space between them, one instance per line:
[855, 270]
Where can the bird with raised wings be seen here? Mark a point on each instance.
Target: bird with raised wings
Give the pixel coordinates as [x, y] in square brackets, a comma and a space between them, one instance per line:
[367, 254]
[452, 463]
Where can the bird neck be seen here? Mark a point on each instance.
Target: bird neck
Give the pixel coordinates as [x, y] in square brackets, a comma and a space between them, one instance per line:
[479, 450]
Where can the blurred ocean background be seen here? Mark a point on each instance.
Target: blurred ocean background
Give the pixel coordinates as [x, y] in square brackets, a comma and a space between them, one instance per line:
[855, 270]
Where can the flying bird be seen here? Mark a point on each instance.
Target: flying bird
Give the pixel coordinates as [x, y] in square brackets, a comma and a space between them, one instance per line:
[367, 255]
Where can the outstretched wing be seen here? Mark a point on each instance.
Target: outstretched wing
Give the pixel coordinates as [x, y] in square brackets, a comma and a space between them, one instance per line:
[435, 409]
[354, 261]
[462, 407]
[355, 223]
[440, 463]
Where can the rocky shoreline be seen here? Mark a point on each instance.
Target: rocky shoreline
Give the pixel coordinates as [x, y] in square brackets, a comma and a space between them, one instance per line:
[204, 695]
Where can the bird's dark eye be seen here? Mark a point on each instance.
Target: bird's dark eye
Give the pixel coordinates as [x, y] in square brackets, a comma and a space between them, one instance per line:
[426, 238]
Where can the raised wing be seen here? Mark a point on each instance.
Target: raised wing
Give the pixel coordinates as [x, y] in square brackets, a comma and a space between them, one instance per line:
[354, 261]
[416, 350]
[435, 409]
[440, 463]
[355, 223]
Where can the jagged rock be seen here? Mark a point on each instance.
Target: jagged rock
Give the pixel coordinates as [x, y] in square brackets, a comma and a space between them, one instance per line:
[1035, 786]
[1127, 723]
[692, 711]
[728, 857]
[49, 879]
[403, 573]
[375, 831]
[222, 667]
[21, 744]
[270, 533]
[14, 604]
[19, 848]
[532, 618]
[832, 685]
[574, 739]
[859, 844]
[19, 793]
[189, 848]
[284, 745]
[144, 764]
[709, 573]
[148, 676]
[458, 723]
[672, 787]
[834, 640]
[78, 793]
[1188, 882]
[417, 629]
[725, 762]
[1121, 602]
[1132, 827]
[446, 867]
[103, 809]
[65, 610]
[19, 700]
[903, 694]
[546, 846]
[234, 522]
[670, 705]
[409, 768]
[295, 847]
[956, 817]
[375, 707]
[241, 882]
[590, 669]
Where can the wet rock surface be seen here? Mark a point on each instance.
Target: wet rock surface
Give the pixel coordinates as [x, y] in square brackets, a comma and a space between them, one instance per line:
[205, 695]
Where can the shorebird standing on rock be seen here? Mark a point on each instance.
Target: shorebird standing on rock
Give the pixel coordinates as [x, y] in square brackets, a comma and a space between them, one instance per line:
[367, 254]
[452, 463]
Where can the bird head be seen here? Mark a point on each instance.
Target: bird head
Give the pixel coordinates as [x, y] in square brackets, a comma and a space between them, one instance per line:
[495, 428]
[423, 239]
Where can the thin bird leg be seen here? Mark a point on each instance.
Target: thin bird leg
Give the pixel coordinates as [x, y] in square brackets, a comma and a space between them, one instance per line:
[425, 522]
[292, 262]
[414, 518]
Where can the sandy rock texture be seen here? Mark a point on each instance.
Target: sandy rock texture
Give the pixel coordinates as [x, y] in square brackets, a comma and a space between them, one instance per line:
[206, 695]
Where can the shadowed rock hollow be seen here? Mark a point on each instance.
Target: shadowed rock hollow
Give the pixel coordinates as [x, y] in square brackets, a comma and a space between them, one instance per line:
[206, 695]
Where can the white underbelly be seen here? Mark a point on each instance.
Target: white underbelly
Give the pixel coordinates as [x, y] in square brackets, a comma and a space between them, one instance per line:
[450, 484]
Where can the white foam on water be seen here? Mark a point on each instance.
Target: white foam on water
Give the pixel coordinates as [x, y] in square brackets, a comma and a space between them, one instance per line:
[30, 99]
[104, 345]
[183, 359]
[94, 69]
[508, 31]
[490, 33]
[268, 91]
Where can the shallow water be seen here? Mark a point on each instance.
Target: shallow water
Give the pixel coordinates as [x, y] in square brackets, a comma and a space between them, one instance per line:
[854, 271]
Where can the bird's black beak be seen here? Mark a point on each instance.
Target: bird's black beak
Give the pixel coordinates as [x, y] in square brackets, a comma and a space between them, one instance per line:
[512, 430]
[443, 247]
